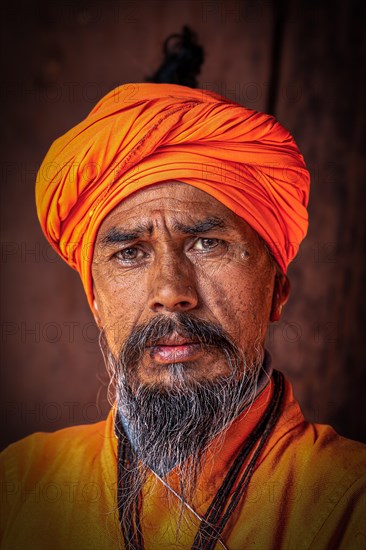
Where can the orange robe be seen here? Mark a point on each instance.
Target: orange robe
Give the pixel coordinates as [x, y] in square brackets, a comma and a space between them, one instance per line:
[307, 490]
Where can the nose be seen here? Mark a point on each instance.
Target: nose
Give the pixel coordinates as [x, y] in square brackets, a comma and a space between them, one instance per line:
[172, 286]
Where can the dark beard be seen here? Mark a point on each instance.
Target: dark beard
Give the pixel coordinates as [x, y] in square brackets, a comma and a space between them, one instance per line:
[163, 427]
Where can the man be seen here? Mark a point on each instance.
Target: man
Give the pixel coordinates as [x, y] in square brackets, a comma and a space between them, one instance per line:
[181, 211]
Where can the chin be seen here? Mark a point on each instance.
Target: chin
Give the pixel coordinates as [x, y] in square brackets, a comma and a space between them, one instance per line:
[178, 375]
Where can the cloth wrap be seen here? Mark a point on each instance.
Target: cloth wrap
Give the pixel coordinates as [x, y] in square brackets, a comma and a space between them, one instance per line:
[143, 134]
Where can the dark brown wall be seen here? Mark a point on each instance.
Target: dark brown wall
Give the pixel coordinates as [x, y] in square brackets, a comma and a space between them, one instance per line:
[305, 64]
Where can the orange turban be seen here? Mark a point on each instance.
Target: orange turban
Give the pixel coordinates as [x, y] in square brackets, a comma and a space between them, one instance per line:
[141, 134]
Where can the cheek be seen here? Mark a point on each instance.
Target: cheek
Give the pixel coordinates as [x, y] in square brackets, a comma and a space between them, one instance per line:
[240, 299]
[120, 303]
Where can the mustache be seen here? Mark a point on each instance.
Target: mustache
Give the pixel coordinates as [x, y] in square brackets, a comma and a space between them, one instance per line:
[204, 333]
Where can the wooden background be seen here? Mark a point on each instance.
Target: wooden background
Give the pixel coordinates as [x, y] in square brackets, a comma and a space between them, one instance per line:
[304, 62]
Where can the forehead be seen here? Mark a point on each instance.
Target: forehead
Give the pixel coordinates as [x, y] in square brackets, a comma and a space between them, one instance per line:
[172, 201]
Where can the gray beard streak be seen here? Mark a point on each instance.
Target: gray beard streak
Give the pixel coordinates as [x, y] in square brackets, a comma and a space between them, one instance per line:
[173, 427]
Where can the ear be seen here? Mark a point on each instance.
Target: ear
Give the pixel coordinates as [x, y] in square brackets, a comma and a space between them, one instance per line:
[96, 314]
[281, 291]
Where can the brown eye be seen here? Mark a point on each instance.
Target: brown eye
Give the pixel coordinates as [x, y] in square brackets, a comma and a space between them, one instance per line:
[206, 244]
[129, 254]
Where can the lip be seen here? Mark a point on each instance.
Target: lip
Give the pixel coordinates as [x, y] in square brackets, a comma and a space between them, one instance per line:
[174, 339]
[164, 354]
[174, 349]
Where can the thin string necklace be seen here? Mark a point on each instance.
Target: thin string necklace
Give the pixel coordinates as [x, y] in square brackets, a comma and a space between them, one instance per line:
[187, 506]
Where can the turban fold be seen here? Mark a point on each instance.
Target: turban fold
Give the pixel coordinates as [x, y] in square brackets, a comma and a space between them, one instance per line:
[143, 134]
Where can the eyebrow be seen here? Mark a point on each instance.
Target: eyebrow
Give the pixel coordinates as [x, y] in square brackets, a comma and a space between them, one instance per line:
[202, 226]
[116, 235]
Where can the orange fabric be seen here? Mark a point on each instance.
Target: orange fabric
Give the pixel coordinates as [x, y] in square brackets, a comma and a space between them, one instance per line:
[307, 491]
[142, 134]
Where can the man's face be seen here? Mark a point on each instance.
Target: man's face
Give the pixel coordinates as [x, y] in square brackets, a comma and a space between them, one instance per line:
[172, 249]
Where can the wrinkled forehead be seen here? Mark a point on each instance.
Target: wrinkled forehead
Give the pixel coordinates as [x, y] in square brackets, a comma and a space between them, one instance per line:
[173, 203]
